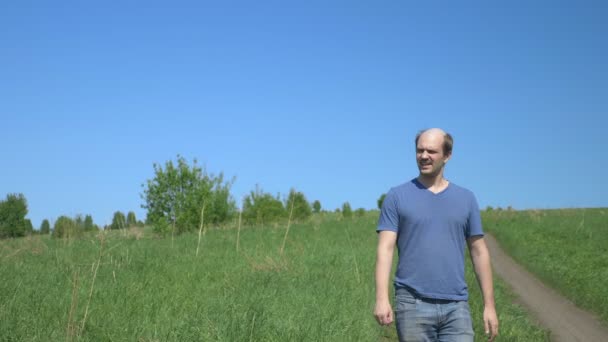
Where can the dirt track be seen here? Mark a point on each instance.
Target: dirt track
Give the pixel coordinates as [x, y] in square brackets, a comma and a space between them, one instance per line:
[563, 319]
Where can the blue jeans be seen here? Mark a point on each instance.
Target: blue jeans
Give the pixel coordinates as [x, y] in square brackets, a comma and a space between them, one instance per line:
[421, 319]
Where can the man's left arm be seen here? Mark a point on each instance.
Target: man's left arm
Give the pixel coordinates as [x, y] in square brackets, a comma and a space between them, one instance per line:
[483, 270]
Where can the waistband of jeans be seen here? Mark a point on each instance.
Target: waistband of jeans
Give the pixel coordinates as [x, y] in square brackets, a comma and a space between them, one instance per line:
[425, 299]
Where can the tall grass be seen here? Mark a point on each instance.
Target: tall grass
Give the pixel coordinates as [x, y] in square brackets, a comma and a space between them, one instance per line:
[145, 290]
[567, 248]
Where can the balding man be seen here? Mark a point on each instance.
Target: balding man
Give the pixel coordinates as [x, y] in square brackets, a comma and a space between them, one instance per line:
[430, 220]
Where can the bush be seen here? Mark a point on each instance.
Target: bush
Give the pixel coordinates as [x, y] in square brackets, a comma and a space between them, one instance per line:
[262, 208]
[360, 212]
[381, 201]
[88, 224]
[45, 227]
[118, 221]
[301, 207]
[12, 216]
[177, 194]
[347, 212]
[65, 227]
[131, 220]
[316, 207]
[29, 227]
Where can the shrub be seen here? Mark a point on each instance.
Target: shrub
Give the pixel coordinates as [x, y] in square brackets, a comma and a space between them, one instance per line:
[381, 201]
[347, 212]
[262, 208]
[118, 221]
[65, 227]
[177, 194]
[12, 216]
[316, 206]
[45, 227]
[301, 207]
[29, 227]
[88, 224]
[131, 220]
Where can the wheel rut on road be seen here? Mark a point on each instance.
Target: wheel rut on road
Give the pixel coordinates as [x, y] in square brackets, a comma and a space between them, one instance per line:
[565, 321]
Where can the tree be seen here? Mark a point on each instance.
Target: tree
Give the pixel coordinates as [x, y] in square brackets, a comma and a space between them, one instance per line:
[360, 212]
[118, 221]
[65, 227]
[347, 212]
[381, 201]
[131, 220]
[45, 227]
[29, 227]
[262, 208]
[301, 207]
[79, 222]
[316, 206]
[12, 216]
[178, 192]
[88, 224]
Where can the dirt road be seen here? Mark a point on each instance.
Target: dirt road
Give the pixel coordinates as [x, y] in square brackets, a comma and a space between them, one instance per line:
[564, 320]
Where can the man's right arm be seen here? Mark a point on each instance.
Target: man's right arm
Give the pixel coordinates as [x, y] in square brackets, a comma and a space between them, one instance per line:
[384, 261]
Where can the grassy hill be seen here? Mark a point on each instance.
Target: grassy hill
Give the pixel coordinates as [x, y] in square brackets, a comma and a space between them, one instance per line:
[133, 286]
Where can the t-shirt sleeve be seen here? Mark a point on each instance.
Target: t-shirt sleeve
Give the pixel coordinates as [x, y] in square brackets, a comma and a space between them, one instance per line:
[389, 215]
[474, 228]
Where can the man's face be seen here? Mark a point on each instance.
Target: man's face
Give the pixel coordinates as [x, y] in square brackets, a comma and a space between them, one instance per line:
[429, 154]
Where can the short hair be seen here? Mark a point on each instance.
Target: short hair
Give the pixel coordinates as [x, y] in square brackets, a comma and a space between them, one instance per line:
[448, 141]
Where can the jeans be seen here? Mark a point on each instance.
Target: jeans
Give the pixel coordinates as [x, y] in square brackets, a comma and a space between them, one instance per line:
[421, 319]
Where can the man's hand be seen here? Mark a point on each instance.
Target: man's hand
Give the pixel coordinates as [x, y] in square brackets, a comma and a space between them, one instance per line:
[490, 322]
[383, 313]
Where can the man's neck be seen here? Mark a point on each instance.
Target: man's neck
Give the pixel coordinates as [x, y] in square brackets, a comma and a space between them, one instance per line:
[434, 183]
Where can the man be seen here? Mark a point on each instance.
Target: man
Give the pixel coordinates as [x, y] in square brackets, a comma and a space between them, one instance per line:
[430, 219]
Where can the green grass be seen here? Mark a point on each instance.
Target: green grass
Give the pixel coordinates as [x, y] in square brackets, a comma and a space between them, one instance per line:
[321, 289]
[567, 249]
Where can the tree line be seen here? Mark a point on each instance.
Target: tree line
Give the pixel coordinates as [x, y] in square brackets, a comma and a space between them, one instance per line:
[13, 221]
[179, 198]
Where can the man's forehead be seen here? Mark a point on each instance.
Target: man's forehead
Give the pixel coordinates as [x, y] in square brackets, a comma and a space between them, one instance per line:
[431, 139]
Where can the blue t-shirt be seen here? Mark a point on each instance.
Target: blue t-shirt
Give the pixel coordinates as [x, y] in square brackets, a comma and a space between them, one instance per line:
[431, 237]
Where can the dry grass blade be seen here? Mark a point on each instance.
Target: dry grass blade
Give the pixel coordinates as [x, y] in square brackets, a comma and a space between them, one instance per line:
[71, 328]
[238, 231]
[86, 310]
[200, 229]
[354, 254]
[288, 224]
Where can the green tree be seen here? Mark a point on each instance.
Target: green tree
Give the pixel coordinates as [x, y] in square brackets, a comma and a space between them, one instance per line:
[131, 220]
[29, 227]
[260, 208]
[301, 207]
[316, 206]
[178, 192]
[347, 211]
[118, 221]
[360, 212]
[88, 224]
[12, 216]
[45, 227]
[65, 227]
[381, 200]
[79, 222]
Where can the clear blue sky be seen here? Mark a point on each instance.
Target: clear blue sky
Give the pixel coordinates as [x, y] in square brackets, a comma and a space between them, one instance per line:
[323, 96]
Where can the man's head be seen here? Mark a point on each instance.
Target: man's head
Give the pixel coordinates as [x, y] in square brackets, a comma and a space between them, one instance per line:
[433, 150]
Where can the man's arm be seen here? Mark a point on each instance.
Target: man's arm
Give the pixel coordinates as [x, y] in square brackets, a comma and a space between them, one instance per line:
[483, 270]
[384, 261]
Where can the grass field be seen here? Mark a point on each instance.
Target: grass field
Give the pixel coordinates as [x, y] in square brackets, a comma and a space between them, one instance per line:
[144, 288]
[567, 248]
